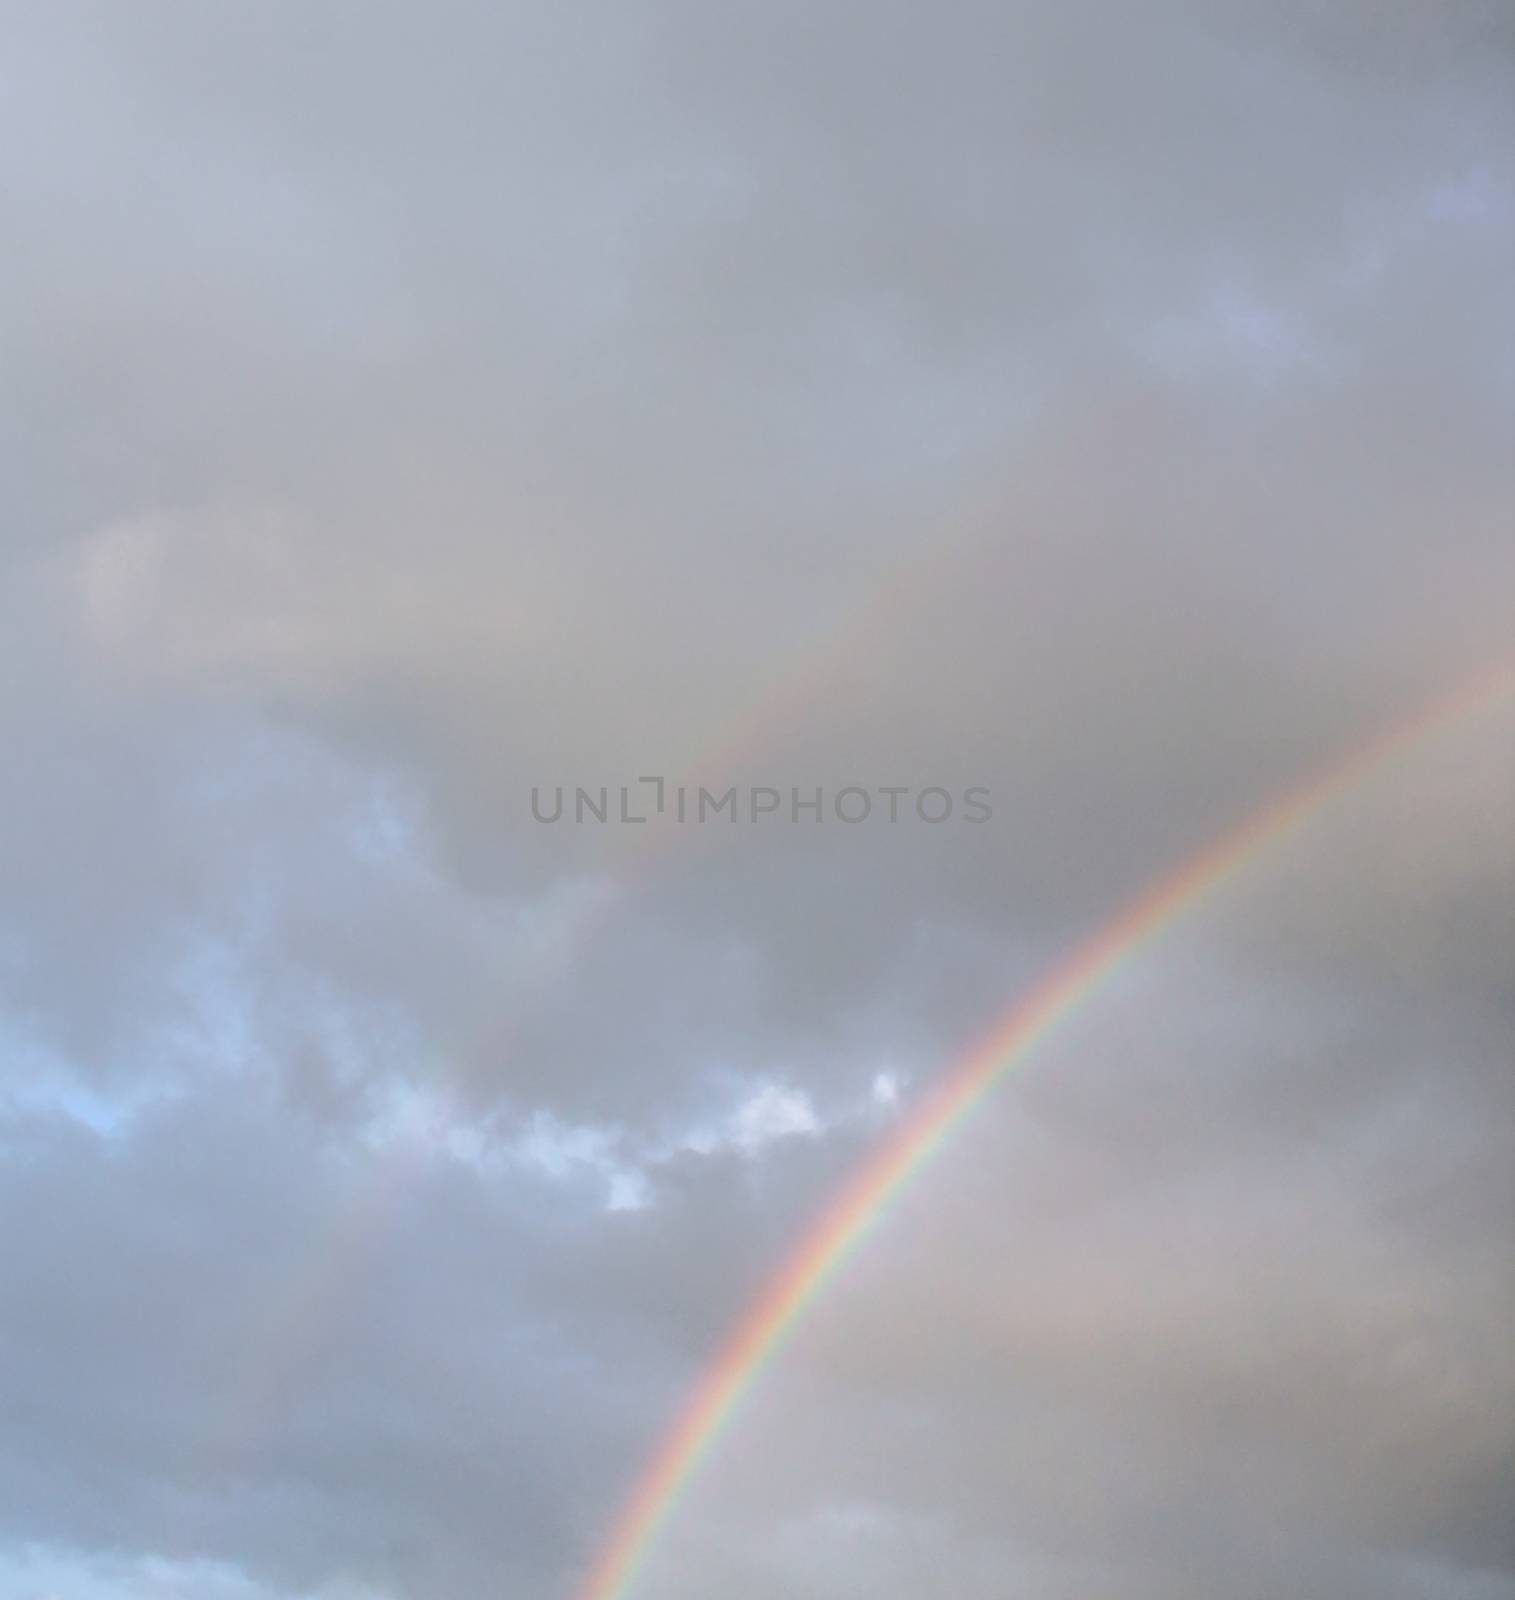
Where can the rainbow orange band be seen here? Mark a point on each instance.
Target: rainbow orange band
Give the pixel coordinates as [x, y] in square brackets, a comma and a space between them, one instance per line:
[862, 1203]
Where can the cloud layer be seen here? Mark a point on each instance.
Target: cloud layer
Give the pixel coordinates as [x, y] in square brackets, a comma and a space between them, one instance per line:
[415, 406]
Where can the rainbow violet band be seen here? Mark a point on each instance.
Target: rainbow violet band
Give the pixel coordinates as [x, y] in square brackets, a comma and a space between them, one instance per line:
[863, 1201]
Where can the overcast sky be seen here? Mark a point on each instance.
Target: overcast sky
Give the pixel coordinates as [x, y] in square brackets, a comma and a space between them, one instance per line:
[407, 406]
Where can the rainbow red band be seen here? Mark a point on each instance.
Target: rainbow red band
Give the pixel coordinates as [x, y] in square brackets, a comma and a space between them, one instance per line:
[863, 1202]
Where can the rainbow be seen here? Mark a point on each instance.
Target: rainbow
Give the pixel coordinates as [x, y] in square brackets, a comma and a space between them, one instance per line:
[862, 1203]
[300, 1315]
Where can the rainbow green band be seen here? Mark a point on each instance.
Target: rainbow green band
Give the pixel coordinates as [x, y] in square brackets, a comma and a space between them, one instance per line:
[719, 1393]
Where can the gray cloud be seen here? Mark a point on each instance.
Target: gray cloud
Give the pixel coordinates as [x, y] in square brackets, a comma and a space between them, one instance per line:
[414, 407]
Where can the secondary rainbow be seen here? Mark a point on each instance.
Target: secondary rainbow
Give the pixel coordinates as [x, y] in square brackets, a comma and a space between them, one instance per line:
[863, 1201]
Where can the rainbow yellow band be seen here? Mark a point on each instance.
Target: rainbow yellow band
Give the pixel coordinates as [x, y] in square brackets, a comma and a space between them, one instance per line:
[862, 1203]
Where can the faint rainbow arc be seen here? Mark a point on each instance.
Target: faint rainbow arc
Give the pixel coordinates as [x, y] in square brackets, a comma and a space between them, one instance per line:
[302, 1311]
[863, 1201]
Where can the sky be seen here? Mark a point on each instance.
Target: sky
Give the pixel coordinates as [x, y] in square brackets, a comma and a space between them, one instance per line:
[412, 408]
